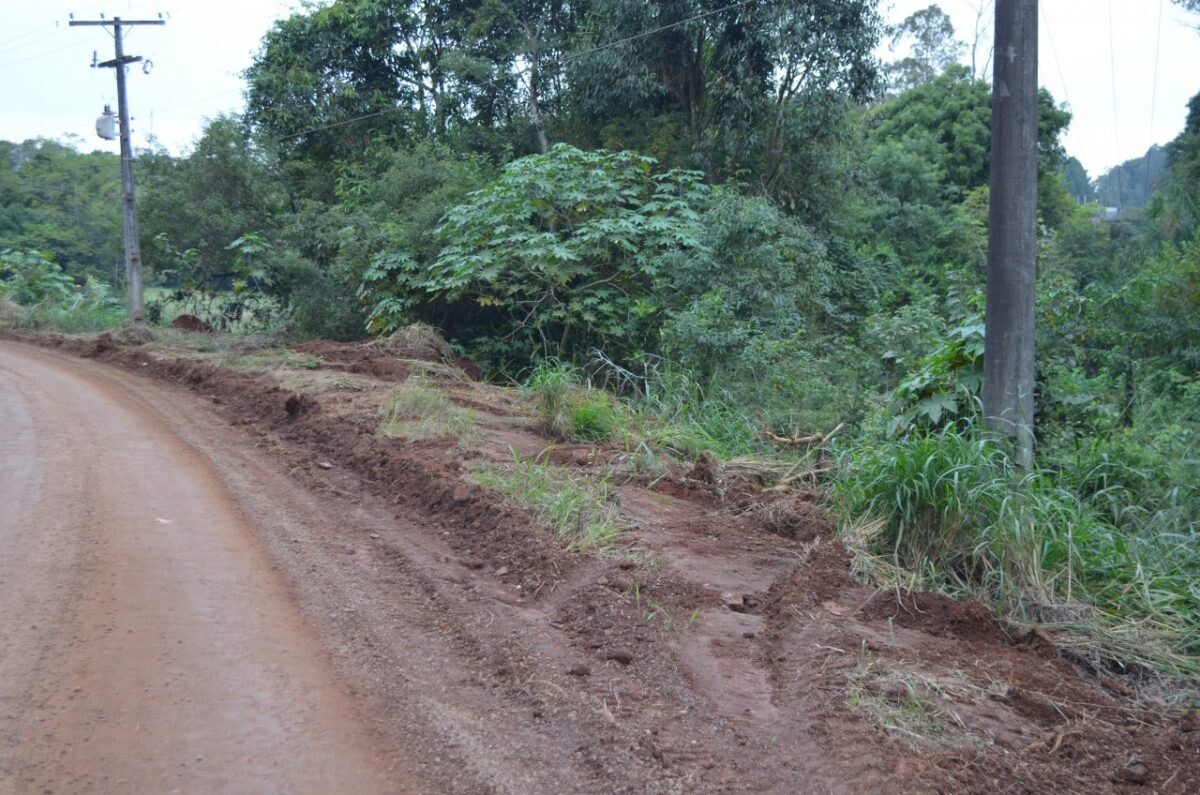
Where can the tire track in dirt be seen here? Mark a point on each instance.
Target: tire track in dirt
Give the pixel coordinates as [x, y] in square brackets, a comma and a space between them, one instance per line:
[151, 648]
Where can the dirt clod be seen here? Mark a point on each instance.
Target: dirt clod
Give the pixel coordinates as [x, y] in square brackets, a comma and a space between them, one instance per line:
[192, 323]
[1134, 772]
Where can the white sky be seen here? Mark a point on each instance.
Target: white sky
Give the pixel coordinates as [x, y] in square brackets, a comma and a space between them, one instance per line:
[47, 87]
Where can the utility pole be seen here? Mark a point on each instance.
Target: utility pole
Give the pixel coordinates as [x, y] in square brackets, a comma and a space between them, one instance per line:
[1008, 364]
[133, 253]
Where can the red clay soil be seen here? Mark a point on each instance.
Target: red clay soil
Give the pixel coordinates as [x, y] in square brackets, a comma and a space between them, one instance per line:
[191, 323]
[721, 645]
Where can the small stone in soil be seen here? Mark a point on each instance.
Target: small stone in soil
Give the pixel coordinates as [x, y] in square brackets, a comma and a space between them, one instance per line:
[324, 465]
[734, 601]
[1134, 772]
[500, 572]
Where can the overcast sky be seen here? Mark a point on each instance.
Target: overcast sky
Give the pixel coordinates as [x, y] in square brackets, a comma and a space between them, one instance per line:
[48, 88]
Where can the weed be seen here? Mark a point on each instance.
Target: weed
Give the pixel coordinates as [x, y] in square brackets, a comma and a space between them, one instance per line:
[579, 509]
[279, 359]
[419, 410]
[907, 702]
[593, 417]
[951, 509]
[567, 409]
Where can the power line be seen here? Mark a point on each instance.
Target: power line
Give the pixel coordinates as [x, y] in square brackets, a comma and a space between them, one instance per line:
[560, 62]
[1154, 93]
[74, 44]
[1112, 64]
[1054, 52]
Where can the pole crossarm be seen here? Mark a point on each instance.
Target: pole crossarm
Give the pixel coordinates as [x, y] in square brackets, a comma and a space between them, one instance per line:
[119, 62]
[75, 23]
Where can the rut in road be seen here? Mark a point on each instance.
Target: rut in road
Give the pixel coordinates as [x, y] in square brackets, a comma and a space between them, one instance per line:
[149, 645]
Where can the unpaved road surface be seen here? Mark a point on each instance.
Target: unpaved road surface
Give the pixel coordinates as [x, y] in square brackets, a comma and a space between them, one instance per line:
[218, 576]
[149, 645]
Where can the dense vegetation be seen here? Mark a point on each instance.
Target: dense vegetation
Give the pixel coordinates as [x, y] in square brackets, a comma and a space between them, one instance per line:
[742, 221]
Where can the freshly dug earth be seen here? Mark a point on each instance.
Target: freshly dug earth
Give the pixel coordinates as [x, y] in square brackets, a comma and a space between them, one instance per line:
[720, 645]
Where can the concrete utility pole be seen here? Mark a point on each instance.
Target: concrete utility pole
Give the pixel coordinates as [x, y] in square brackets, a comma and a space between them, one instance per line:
[133, 253]
[1008, 373]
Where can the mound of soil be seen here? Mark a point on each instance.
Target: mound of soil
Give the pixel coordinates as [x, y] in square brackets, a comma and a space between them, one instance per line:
[191, 323]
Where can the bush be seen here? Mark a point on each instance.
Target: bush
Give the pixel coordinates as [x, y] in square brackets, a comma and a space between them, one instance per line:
[39, 294]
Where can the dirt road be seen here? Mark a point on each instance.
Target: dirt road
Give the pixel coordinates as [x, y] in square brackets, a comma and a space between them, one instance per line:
[149, 644]
[222, 578]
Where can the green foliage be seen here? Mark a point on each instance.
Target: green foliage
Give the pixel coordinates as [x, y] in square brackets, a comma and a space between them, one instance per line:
[30, 278]
[563, 250]
[755, 275]
[944, 387]
[51, 298]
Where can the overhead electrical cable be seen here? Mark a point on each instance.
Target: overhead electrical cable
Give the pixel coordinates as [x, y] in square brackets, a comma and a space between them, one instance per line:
[1054, 52]
[1154, 93]
[1112, 65]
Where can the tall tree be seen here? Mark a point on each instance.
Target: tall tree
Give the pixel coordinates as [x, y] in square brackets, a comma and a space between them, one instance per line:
[730, 85]
[929, 35]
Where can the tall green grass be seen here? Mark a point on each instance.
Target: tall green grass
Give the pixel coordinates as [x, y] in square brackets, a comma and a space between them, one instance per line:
[567, 408]
[951, 506]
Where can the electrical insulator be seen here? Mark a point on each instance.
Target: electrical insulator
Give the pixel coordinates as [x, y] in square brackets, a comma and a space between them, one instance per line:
[106, 124]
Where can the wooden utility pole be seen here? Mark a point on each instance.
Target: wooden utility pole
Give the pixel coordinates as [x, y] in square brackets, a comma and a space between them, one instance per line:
[133, 252]
[1008, 364]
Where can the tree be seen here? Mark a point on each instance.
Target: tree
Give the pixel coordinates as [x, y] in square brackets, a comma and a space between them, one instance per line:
[325, 82]
[563, 252]
[1132, 183]
[955, 109]
[1180, 212]
[933, 48]
[65, 203]
[219, 192]
[1078, 183]
[723, 92]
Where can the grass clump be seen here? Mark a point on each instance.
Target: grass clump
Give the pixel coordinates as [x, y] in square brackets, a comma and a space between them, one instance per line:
[579, 509]
[567, 409]
[418, 410]
[950, 507]
[281, 359]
